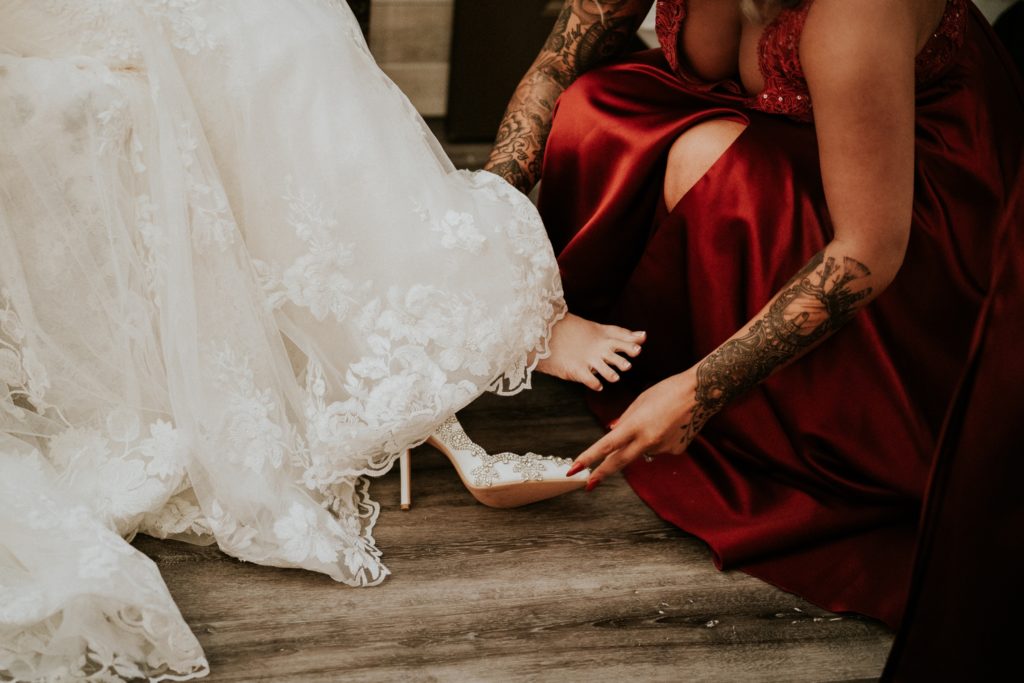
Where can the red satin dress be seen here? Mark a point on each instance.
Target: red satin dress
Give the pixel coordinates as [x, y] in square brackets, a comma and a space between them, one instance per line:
[815, 480]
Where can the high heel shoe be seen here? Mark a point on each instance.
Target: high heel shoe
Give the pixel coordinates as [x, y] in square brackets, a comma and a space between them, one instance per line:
[503, 480]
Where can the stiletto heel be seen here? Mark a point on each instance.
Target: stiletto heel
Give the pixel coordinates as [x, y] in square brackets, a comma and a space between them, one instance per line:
[405, 474]
[504, 480]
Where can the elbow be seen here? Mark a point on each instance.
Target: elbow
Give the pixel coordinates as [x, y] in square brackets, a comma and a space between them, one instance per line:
[888, 259]
[894, 250]
[882, 254]
[554, 70]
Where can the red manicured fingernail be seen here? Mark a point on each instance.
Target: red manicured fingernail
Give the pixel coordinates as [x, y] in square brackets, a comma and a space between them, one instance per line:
[576, 467]
[592, 484]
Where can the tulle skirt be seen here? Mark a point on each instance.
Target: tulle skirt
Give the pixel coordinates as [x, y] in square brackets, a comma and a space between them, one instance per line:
[238, 277]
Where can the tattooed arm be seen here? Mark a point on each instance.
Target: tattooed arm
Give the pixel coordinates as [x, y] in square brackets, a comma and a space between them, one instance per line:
[586, 33]
[819, 299]
[863, 92]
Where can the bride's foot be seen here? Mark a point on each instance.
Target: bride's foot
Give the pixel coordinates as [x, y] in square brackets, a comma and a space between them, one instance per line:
[584, 351]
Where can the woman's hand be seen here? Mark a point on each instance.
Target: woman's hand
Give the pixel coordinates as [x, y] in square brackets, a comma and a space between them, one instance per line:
[663, 419]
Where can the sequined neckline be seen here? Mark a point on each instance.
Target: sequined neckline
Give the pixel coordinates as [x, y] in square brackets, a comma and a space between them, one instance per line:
[937, 53]
[784, 90]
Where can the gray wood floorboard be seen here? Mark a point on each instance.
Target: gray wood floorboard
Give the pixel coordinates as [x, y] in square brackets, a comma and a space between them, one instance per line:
[586, 587]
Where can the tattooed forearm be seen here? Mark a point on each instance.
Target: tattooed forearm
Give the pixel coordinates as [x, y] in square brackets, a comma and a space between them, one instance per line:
[820, 299]
[523, 132]
[586, 33]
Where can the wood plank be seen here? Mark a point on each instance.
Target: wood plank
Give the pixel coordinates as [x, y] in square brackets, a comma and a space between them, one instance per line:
[411, 40]
[586, 587]
[411, 31]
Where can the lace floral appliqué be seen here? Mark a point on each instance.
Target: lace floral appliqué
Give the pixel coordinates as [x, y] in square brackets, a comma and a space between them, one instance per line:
[316, 280]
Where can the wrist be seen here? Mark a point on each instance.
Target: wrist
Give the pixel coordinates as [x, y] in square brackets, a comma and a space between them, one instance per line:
[703, 402]
[685, 385]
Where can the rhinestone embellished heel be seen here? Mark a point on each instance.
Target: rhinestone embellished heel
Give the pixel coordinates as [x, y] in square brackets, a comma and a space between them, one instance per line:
[405, 472]
[504, 480]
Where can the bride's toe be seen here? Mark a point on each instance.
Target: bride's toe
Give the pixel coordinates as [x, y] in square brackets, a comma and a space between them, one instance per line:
[587, 378]
[618, 362]
[623, 335]
[604, 370]
[630, 349]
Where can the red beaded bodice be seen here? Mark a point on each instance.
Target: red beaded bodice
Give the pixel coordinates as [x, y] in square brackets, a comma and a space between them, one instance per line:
[785, 89]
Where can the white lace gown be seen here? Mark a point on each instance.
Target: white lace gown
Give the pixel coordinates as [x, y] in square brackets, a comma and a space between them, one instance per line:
[237, 277]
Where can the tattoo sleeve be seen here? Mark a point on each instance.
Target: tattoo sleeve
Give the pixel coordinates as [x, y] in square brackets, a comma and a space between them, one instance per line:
[819, 299]
[586, 33]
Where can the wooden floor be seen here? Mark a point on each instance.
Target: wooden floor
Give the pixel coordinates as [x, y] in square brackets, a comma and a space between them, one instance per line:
[586, 587]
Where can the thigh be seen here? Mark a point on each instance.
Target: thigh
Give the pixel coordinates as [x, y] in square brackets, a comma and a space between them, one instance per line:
[694, 153]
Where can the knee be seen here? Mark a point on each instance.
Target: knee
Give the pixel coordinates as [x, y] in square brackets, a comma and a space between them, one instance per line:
[582, 109]
[584, 92]
[694, 153]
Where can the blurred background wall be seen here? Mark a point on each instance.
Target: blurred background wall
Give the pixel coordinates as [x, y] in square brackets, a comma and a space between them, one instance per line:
[993, 8]
[459, 60]
[411, 40]
[415, 41]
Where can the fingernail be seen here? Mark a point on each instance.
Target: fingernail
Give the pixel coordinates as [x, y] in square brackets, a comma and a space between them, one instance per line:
[592, 484]
[629, 365]
[636, 347]
[641, 334]
[600, 388]
[576, 468]
[613, 424]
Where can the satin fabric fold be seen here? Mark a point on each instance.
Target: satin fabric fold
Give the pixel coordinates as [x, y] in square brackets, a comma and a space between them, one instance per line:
[814, 480]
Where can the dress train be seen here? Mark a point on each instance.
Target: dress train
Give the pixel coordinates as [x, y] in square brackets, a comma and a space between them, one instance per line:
[238, 278]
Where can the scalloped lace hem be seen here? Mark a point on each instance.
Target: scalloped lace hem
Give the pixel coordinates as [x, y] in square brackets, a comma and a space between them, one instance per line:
[369, 509]
[508, 385]
[39, 652]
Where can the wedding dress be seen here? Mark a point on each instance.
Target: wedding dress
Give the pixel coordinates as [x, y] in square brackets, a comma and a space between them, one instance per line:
[237, 277]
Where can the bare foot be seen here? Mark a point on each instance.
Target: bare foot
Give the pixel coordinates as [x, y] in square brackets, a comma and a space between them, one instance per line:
[582, 351]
